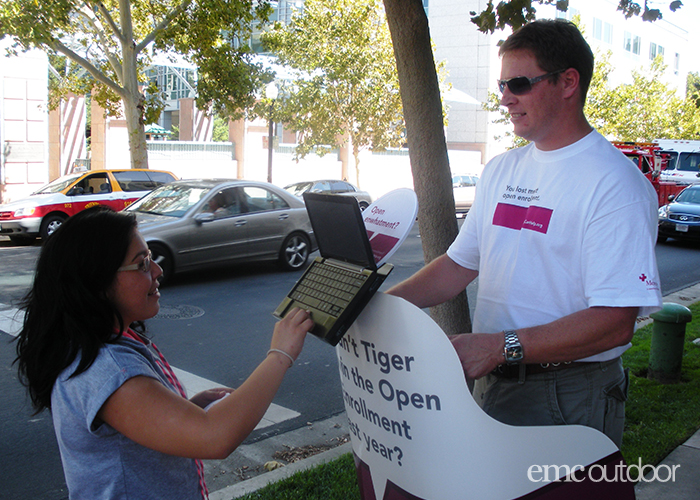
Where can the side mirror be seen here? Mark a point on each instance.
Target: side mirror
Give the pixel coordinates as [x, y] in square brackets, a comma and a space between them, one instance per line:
[75, 191]
[203, 217]
[671, 197]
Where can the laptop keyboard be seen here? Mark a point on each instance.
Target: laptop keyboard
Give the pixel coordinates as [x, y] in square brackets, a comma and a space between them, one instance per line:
[328, 288]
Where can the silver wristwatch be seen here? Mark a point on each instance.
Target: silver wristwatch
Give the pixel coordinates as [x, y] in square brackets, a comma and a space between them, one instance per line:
[512, 351]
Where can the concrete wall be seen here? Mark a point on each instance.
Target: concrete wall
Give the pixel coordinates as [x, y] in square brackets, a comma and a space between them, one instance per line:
[24, 137]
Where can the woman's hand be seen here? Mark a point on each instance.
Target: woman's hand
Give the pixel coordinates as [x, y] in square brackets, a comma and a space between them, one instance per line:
[205, 398]
[149, 413]
[289, 333]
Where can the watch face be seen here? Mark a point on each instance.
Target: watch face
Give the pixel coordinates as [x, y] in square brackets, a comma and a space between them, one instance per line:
[514, 353]
[513, 349]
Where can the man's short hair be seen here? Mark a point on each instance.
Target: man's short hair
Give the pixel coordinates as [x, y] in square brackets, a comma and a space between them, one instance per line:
[556, 45]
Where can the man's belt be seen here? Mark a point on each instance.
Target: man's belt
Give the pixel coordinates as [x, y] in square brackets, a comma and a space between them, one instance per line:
[513, 371]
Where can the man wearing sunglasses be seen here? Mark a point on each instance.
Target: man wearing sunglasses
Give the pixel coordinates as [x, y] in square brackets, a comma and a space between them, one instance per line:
[561, 235]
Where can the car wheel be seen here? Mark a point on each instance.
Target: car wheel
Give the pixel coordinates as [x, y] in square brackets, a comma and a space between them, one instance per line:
[295, 251]
[163, 257]
[363, 205]
[49, 225]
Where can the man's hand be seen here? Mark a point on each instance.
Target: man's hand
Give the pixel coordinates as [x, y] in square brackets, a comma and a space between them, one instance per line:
[479, 353]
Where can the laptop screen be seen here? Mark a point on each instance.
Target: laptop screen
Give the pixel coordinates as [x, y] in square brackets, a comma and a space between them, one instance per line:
[339, 228]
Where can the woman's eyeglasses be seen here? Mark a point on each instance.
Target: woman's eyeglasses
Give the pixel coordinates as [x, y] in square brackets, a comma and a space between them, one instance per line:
[144, 266]
[521, 85]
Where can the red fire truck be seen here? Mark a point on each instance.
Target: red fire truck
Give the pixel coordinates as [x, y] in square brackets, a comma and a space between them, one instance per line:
[651, 161]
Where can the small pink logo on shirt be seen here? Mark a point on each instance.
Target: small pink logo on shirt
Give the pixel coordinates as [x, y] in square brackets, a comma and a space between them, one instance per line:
[651, 284]
[517, 217]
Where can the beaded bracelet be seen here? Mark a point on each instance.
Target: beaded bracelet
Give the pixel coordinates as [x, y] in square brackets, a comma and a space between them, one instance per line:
[291, 359]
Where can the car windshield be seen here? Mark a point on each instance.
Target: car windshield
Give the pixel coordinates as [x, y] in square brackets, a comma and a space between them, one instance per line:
[59, 184]
[299, 189]
[173, 200]
[689, 196]
[689, 162]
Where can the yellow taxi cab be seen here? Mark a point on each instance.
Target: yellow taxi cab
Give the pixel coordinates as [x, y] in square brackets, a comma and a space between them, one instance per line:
[44, 211]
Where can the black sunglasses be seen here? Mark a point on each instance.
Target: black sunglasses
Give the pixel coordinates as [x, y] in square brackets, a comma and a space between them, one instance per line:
[521, 85]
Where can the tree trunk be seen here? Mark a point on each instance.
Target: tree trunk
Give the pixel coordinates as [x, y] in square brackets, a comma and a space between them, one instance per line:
[133, 98]
[422, 107]
[133, 112]
[345, 147]
[356, 156]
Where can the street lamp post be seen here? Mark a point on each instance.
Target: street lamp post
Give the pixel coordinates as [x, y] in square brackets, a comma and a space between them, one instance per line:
[271, 93]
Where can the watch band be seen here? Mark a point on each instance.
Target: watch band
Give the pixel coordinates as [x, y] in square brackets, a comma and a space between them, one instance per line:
[512, 350]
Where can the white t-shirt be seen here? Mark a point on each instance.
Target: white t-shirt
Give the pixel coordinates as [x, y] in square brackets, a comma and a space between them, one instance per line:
[555, 232]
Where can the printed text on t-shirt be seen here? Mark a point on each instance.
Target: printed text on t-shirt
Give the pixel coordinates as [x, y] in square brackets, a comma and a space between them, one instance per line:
[521, 194]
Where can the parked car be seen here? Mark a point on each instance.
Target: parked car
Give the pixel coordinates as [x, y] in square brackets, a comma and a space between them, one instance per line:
[331, 187]
[464, 189]
[194, 223]
[45, 210]
[680, 219]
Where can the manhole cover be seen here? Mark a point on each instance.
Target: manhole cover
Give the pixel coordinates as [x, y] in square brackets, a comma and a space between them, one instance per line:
[179, 312]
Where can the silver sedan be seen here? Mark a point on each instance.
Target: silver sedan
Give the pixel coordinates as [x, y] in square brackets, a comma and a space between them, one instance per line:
[342, 188]
[195, 223]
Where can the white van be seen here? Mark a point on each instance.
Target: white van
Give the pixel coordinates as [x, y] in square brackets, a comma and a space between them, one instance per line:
[684, 164]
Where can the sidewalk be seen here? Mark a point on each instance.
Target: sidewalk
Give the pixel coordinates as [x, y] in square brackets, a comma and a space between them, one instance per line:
[244, 470]
[686, 457]
[687, 478]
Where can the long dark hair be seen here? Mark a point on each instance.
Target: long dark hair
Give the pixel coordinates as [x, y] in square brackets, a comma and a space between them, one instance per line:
[67, 313]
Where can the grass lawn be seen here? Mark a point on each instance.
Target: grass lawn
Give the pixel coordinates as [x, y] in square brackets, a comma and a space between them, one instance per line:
[334, 480]
[658, 419]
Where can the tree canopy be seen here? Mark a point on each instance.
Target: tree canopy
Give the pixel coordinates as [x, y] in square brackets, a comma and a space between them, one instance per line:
[347, 88]
[643, 110]
[103, 47]
[515, 13]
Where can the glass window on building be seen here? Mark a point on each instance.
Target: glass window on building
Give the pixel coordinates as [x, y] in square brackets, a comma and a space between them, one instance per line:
[607, 33]
[655, 50]
[597, 29]
[568, 15]
[632, 43]
[282, 11]
[177, 83]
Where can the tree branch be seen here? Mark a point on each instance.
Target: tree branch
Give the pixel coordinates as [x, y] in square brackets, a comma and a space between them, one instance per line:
[110, 22]
[96, 73]
[161, 25]
[104, 41]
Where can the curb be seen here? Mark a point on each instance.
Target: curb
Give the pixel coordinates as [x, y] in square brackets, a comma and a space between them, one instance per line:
[250, 485]
[684, 297]
[685, 458]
